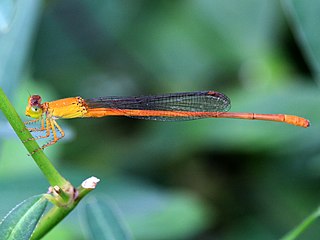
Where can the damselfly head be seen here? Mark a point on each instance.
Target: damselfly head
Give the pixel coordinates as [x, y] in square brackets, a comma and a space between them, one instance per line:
[34, 107]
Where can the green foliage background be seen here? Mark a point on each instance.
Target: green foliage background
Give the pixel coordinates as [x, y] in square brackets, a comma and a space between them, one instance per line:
[206, 179]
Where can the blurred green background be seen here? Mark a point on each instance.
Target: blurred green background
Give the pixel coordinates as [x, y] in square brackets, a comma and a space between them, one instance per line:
[205, 179]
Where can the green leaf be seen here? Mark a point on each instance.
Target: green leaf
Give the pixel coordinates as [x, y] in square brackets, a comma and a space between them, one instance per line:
[297, 231]
[102, 220]
[154, 213]
[22, 220]
[305, 18]
[18, 20]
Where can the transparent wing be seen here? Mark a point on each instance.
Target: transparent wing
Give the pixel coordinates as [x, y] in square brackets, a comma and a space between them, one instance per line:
[188, 102]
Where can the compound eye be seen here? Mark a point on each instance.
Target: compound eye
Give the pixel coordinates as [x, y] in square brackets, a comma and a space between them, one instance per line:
[35, 109]
[35, 100]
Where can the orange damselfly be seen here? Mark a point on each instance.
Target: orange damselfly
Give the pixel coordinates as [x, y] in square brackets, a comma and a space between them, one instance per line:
[167, 107]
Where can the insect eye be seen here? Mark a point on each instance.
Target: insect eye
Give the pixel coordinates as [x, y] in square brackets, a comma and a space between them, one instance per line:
[35, 109]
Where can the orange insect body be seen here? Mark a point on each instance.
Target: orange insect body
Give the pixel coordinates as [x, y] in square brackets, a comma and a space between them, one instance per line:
[177, 106]
[72, 107]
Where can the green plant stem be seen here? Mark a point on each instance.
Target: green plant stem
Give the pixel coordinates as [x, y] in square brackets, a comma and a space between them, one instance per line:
[293, 234]
[56, 214]
[39, 157]
[69, 198]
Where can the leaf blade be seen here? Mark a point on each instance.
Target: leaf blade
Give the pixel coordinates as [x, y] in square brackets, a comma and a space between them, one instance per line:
[21, 221]
[304, 16]
[102, 220]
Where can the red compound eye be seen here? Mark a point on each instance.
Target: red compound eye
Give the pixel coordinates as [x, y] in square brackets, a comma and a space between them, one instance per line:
[35, 100]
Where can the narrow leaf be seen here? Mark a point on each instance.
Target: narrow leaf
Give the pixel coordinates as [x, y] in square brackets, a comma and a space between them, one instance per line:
[22, 220]
[102, 219]
[305, 17]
